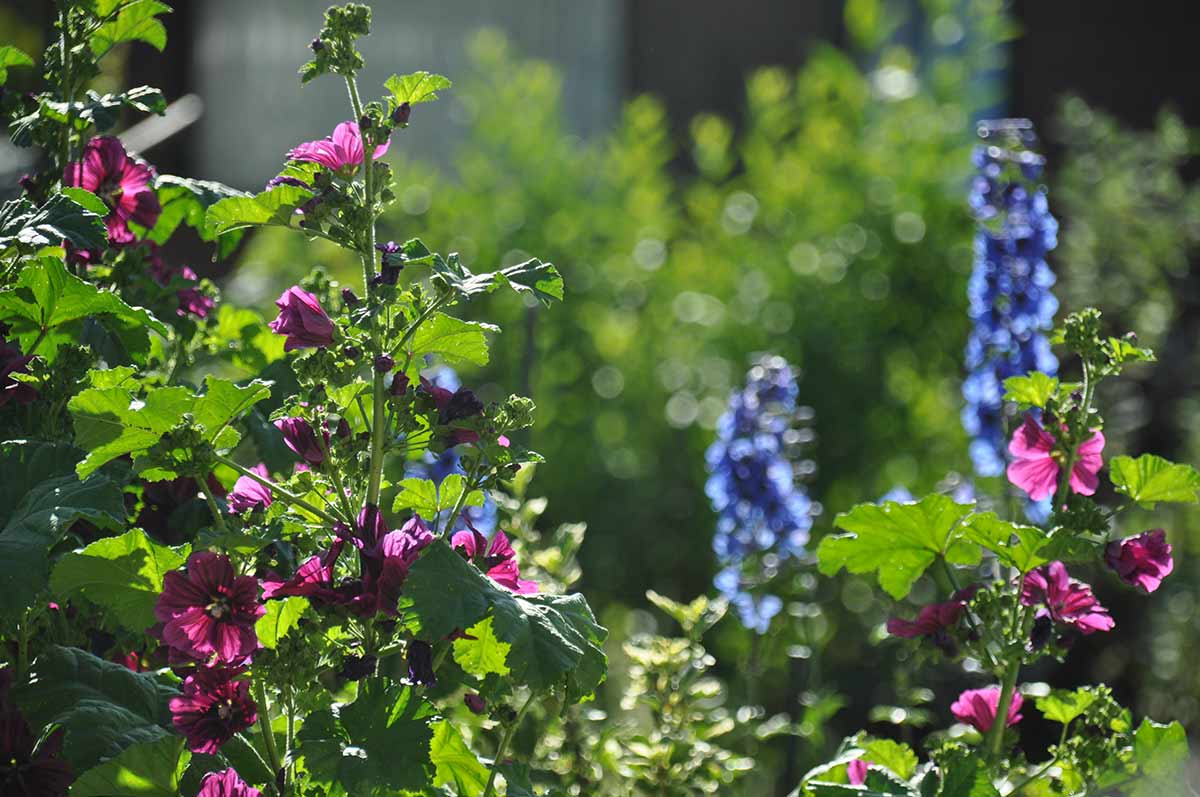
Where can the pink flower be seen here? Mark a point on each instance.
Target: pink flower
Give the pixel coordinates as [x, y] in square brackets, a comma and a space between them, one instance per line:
[210, 612]
[1037, 463]
[212, 708]
[933, 619]
[122, 182]
[226, 784]
[312, 579]
[977, 707]
[1141, 561]
[249, 493]
[385, 568]
[342, 150]
[856, 771]
[1066, 600]
[302, 319]
[299, 436]
[496, 558]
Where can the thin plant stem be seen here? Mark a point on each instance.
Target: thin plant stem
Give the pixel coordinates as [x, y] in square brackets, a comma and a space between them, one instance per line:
[217, 514]
[264, 726]
[503, 748]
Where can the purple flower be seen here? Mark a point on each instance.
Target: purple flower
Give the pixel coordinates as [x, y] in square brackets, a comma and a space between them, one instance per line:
[299, 436]
[420, 663]
[123, 183]
[399, 384]
[192, 301]
[934, 622]
[1066, 600]
[29, 769]
[341, 151]
[386, 568]
[355, 668]
[302, 319]
[210, 612]
[13, 361]
[312, 579]
[977, 708]
[496, 558]
[212, 708]
[1142, 561]
[475, 703]
[1036, 463]
[249, 493]
[226, 784]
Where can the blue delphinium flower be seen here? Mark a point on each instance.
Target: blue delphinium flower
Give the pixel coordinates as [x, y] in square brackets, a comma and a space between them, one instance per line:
[1011, 303]
[763, 516]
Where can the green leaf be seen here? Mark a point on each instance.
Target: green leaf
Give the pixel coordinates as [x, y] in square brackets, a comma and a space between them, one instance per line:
[965, 775]
[276, 206]
[539, 279]
[480, 653]
[88, 200]
[416, 88]
[41, 499]
[112, 422]
[61, 217]
[427, 499]
[454, 763]
[898, 541]
[281, 617]
[1014, 545]
[380, 741]
[1150, 479]
[103, 706]
[1063, 706]
[123, 574]
[456, 341]
[148, 769]
[11, 56]
[894, 756]
[1032, 390]
[554, 638]
[1161, 751]
[46, 298]
[104, 110]
[186, 201]
[135, 22]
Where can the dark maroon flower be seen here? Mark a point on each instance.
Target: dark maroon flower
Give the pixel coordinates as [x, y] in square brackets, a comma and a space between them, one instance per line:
[386, 568]
[350, 297]
[1142, 561]
[934, 622]
[122, 182]
[401, 115]
[302, 319]
[250, 493]
[284, 179]
[312, 579]
[384, 363]
[28, 769]
[226, 784]
[462, 404]
[1064, 599]
[213, 707]
[496, 558]
[192, 301]
[391, 262]
[399, 384]
[475, 703]
[420, 663]
[210, 612]
[13, 361]
[299, 436]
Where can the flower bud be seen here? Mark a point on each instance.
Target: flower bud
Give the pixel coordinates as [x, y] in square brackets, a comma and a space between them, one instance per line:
[420, 663]
[316, 45]
[475, 703]
[401, 114]
[351, 352]
[349, 297]
[399, 384]
[384, 363]
[364, 122]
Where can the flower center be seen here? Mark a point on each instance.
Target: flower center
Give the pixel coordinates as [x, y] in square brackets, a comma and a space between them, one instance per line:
[110, 191]
[225, 710]
[218, 608]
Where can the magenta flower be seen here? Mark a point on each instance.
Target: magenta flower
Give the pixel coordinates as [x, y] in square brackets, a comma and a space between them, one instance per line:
[386, 567]
[1142, 561]
[1064, 599]
[341, 151]
[249, 493]
[977, 708]
[299, 436]
[122, 182]
[496, 558]
[1037, 464]
[936, 618]
[226, 784]
[856, 771]
[210, 612]
[312, 579]
[302, 319]
[212, 708]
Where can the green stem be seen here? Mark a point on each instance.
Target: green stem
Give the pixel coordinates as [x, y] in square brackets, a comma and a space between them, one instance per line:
[264, 727]
[468, 488]
[259, 756]
[217, 514]
[336, 476]
[291, 738]
[286, 496]
[996, 733]
[504, 740]
[970, 617]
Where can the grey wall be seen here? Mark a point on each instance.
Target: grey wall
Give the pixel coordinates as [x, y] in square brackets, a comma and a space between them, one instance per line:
[247, 54]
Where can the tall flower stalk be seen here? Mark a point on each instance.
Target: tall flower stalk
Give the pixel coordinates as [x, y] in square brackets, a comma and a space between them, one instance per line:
[755, 466]
[1010, 300]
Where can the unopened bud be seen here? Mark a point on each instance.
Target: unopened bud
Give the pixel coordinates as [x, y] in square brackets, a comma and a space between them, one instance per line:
[401, 114]
[316, 45]
[349, 297]
[384, 363]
